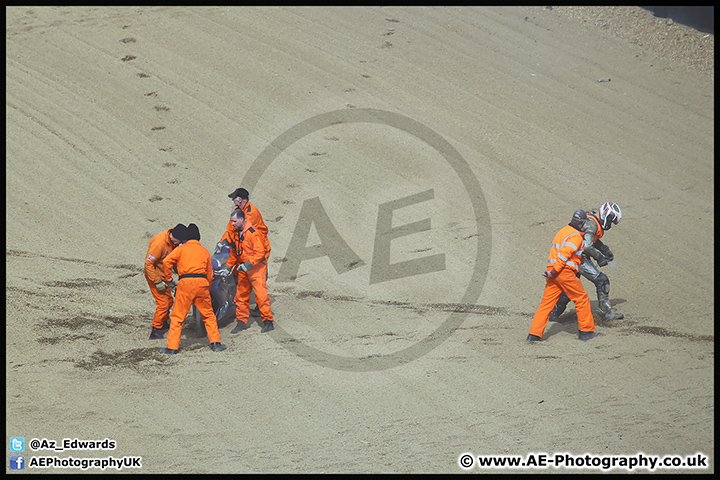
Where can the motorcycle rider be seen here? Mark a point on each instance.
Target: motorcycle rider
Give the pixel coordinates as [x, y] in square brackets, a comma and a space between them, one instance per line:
[594, 228]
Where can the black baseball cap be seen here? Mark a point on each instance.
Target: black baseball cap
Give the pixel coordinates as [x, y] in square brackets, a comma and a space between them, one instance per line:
[240, 192]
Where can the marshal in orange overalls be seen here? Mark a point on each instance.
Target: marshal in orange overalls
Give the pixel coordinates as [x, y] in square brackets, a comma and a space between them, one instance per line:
[249, 246]
[159, 248]
[195, 273]
[253, 215]
[565, 257]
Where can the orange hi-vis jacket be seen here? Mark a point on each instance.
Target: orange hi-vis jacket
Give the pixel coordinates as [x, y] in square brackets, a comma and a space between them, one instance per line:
[247, 247]
[192, 259]
[159, 248]
[256, 219]
[566, 249]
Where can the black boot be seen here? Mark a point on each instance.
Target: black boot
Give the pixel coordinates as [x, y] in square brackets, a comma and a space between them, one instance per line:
[585, 336]
[217, 347]
[604, 303]
[240, 327]
[533, 338]
[267, 326]
[559, 308]
[156, 333]
[168, 351]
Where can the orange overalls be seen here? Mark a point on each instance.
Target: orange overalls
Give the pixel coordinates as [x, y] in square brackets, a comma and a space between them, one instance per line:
[159, 247]
[250, 247]
[565, 257]
[195, 270]
[256, 220]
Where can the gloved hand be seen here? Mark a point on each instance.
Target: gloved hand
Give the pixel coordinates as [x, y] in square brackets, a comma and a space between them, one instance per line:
[161, 285]
[602, 261]
[219, 247]
[605, 250]
[245, 266]
[172, 284]
[550, 273]
[224, 271]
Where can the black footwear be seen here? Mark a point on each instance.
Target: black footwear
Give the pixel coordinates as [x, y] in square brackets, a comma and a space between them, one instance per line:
[217, 347]
[267, 326]
[584, 336]
[168, 351]
[606, 309]
[553, 317]
[255, 312]
[533, 338]
[156, 333]
[240, 327]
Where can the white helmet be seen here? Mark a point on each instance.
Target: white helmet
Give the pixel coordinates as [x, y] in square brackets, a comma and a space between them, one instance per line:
[609, 214]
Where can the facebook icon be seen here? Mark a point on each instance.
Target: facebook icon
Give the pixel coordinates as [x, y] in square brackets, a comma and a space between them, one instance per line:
[17, 462]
